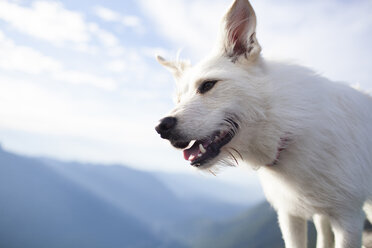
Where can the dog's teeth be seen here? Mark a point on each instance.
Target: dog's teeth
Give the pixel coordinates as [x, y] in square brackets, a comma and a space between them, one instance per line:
[191, 158]
[199, 155]
[190, 144]
[216, 138]
[202, 149]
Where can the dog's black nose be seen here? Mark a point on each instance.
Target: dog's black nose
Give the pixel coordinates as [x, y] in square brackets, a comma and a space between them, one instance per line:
[165, 126]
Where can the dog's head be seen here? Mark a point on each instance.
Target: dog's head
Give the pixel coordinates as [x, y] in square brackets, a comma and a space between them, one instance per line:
[219, 101]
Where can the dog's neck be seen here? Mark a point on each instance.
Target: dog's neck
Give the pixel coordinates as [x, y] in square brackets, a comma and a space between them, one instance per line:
[283, 144]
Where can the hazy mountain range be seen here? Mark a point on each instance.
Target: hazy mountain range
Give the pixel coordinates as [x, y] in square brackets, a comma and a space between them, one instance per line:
[48, 203]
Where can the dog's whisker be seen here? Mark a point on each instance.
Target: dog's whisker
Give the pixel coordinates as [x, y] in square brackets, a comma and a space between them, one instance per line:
[214, 174]
[235, 150]
[226, 162]
[233, 157]
[232, 124]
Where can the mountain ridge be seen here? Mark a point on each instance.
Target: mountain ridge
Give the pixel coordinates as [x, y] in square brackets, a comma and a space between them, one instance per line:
[59, 211]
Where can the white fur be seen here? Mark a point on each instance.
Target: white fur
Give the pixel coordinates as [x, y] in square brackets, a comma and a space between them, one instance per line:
[325, 173]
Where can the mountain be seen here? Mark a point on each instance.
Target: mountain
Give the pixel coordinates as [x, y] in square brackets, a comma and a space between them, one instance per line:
[133, 191]
[199, 186]
[40, 208]
[149, 198]
[143, 194]
[258, 227]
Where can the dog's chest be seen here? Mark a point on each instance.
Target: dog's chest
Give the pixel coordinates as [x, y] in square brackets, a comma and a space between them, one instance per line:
[286, 195]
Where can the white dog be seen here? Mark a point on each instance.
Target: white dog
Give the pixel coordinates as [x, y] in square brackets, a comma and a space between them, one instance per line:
[309, 138]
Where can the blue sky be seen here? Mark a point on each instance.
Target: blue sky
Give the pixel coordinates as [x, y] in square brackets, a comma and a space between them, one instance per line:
[78, 79]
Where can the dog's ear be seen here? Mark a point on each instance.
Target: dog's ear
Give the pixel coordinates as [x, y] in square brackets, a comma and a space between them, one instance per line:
[238, 32]
[176, 67]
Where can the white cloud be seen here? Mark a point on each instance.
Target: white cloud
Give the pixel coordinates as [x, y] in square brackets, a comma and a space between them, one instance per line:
[116, 66]
[25, 59]
[107, 38]
[51, 22]
[77, 77]
[134, 68]
[106, 14]
[46, 20]
[28, 60]
[188, 24]
[333, 37]
[41, 110]
[130, 21]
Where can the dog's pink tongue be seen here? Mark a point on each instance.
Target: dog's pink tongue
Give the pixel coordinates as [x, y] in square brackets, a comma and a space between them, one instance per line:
[194, 150]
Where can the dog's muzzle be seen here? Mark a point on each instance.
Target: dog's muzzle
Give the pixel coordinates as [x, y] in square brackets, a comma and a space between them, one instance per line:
[199, 151]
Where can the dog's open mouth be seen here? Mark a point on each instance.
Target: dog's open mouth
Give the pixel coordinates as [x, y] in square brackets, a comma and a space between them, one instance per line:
[199, 152]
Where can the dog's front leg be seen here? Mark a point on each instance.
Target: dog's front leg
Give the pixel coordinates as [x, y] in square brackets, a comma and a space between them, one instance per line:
[348, 229]
[324, 237]
[294, 230]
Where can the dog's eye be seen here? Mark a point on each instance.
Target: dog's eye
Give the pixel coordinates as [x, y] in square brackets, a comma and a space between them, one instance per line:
[206, 86]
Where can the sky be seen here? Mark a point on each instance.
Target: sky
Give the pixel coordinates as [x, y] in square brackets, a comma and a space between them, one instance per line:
[79, 79]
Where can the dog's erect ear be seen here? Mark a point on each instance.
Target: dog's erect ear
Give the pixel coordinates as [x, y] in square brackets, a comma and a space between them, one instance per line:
[239, 32]
[176, 67]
